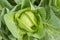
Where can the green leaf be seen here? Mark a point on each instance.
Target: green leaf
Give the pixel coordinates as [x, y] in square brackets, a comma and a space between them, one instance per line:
[25, 3]
[42, 12]
[5, 3]
[57, 3]
[52, 27]
[54, 21]
[0, 37]
[18, 1]
[32, 1]
[9, 20]
[1, 16]
[0, 7]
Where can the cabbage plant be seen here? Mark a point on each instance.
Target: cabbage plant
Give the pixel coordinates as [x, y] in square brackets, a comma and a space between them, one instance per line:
[29, 20]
